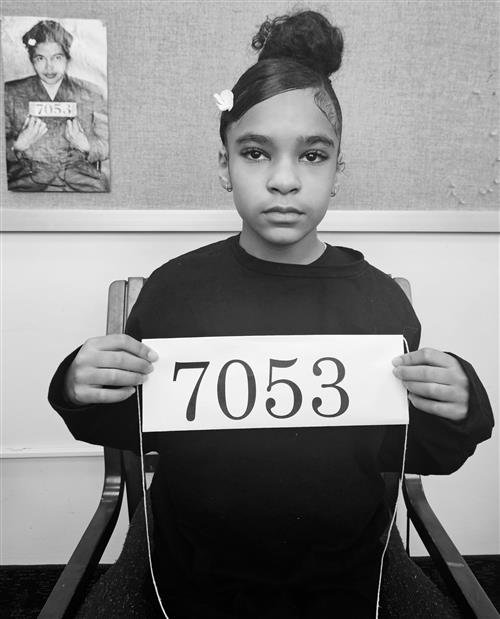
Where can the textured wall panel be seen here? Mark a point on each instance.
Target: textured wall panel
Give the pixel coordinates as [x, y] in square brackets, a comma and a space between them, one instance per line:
[418, 88]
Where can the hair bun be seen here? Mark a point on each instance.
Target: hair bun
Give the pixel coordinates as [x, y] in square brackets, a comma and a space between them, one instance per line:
[307, 37]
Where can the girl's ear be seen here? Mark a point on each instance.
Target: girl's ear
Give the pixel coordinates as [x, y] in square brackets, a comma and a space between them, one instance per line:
[224, 176]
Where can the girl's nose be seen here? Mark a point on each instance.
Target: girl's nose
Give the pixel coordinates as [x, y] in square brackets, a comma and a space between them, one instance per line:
[284, 177]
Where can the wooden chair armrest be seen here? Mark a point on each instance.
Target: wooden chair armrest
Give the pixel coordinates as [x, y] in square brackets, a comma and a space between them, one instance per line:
[452, 566]
[72, 584]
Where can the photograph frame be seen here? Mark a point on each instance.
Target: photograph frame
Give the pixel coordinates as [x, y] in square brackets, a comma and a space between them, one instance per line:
[68, 107]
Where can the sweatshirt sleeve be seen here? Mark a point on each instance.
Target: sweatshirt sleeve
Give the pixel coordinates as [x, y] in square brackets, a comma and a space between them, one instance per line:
[437, 445]
[112, 425]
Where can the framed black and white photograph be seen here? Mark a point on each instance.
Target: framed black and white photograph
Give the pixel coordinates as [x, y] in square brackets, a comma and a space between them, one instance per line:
[56, 118]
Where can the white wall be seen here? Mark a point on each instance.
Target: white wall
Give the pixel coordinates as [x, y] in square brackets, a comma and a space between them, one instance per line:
[54, 293]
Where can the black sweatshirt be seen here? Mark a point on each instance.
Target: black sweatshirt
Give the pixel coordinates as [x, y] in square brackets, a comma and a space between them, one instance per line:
[292, 508]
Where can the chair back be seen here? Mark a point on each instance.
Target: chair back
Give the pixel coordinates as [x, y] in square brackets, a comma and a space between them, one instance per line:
[121, 298]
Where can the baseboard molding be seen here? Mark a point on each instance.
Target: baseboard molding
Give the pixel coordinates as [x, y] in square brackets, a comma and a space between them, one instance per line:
[12, 453]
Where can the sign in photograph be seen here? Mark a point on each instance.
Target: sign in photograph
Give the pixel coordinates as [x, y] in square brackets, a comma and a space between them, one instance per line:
[273, 382]
[52, 108]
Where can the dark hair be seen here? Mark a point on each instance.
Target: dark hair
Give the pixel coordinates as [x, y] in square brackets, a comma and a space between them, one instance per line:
[297, 51]
[44, 31]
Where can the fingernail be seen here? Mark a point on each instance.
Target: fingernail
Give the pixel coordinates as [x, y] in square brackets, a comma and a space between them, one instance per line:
[144, 378]
[151, 368]
[397, 361]
[395, 371]
[152, 355]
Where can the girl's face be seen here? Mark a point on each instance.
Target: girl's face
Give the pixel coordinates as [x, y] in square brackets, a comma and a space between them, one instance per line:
[49, 62]
[281, 161]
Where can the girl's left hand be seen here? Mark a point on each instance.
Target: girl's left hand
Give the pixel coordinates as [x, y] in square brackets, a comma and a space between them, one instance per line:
[435, 381]
[76, 136]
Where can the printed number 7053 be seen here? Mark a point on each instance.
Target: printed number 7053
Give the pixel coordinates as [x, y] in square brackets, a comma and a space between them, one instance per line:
[316, 403]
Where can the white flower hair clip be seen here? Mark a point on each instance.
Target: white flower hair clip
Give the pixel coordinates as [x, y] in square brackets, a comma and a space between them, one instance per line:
[31, 42]
[224, 100]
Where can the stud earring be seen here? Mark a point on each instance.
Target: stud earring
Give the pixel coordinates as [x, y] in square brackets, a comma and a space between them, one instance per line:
[335, 190]
[228, 188]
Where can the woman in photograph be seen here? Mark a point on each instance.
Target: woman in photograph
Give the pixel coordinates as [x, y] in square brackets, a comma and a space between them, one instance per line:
[59, 146]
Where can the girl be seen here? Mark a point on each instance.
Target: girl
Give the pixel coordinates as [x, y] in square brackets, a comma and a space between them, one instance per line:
[275, 523]
[54, 153]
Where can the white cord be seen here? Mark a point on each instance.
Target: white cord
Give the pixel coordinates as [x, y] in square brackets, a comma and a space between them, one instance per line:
[144, 502]
[391, 525]
[393, 519]
[143, 475]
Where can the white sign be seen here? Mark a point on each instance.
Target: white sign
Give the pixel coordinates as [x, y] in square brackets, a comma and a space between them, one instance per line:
[52, 108]
[273, 382]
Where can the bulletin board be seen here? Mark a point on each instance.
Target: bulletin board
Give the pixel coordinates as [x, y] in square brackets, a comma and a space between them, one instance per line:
[418, 89]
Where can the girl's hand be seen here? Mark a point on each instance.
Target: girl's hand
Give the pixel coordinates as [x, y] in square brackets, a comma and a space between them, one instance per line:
[435, 381]
[32, 130]
[76, 136]
[117, 361]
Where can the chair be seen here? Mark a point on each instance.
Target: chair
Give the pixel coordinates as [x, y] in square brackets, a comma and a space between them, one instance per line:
[122, 470]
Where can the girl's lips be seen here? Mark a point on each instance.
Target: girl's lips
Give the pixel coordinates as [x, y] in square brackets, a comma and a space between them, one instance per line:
[283, 215]
[285, 210]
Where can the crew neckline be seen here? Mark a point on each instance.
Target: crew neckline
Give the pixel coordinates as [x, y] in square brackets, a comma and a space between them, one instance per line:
[335, 261]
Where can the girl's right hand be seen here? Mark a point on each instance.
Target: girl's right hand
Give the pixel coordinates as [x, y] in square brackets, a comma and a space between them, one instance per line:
[117, 361]
[33, 129]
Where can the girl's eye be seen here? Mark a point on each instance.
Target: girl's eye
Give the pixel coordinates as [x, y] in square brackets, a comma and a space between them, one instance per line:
[253, 154]
[314, 156]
